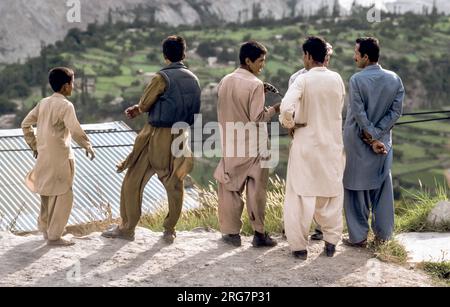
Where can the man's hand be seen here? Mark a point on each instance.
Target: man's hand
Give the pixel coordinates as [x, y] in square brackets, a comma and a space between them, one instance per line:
[90, 153]
[120, 167]
[367, 138]
[379, 148]
[35, 154]
[291, 132]
[132, 112]
[277, 107]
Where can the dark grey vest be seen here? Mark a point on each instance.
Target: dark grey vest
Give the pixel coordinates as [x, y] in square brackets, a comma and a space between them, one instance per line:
[181, 100]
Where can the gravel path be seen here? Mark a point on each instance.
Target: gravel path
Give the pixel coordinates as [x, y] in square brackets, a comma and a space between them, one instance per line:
[196, 258]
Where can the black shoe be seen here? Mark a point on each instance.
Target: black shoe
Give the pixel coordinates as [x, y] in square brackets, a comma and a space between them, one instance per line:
[263, 240]
[330, 249]
[362, 244]
[116, 233]
[317, 235]
[234, 240]
[302, 255]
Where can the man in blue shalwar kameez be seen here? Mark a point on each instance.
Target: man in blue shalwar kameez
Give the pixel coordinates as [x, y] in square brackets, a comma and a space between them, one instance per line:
[376, 98]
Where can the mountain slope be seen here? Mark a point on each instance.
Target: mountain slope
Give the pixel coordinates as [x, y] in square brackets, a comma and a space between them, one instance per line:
[24, 24]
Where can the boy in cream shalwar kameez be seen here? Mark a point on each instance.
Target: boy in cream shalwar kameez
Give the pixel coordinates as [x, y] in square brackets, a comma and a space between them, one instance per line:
[53, 174]
[313, 107]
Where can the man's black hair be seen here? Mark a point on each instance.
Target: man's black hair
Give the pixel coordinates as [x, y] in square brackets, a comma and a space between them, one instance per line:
[174, 48]
[316, 47]
[59, 76]
[369, 46]
[252, 50]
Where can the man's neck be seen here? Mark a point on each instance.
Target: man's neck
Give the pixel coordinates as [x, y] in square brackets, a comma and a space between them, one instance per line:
[371, 64]
[170, 63]
[315, 65]
[247, 69]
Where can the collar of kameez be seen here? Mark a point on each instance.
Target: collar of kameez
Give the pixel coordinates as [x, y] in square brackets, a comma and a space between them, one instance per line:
[374, 66]
[58, 95]
[318, 69]
[244, 71]
[175, 65]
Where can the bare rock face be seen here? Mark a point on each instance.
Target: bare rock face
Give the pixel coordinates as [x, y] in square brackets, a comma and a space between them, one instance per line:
[26, 24]
[440, 214]
[426, 246]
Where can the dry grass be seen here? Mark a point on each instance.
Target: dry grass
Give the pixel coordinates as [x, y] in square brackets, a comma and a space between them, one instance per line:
[438, 270]
[411, 214]
[391, 251]
[206, 216]
[11, 226]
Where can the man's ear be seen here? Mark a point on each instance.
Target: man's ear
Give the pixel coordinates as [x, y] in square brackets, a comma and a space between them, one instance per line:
[248, 61]
[307, 55]
[184, 56]
[166, 60]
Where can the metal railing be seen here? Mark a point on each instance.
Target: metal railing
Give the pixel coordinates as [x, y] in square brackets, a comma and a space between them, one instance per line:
[281, 134]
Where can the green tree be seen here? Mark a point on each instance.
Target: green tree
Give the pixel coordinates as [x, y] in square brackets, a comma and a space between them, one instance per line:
[336, 9]
[206, 49]
[18, 90]
[292, 5]
[44, 70]
[323, 11]
[256, 11]
[6, 106]
[110, 17]
[225, 56]
[434, 14]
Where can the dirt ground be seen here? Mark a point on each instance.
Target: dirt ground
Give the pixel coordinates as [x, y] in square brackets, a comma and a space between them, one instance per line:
[197, 258]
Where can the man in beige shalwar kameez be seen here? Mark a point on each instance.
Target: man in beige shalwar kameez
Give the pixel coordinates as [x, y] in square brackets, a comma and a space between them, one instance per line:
[241, 101]
[52, 176]
[314, 189]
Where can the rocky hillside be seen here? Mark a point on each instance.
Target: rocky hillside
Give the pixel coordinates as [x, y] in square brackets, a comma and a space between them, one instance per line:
[25, 24]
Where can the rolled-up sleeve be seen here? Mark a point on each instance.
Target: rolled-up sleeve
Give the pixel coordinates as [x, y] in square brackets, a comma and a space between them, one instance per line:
[258, 112]
[289, 102]
[152, 92]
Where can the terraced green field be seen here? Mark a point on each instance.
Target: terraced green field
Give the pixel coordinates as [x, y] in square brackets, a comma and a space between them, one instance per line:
[422, 150]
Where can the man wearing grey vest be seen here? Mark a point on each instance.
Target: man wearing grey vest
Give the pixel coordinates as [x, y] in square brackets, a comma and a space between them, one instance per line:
[172, 96]
[376, 99]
